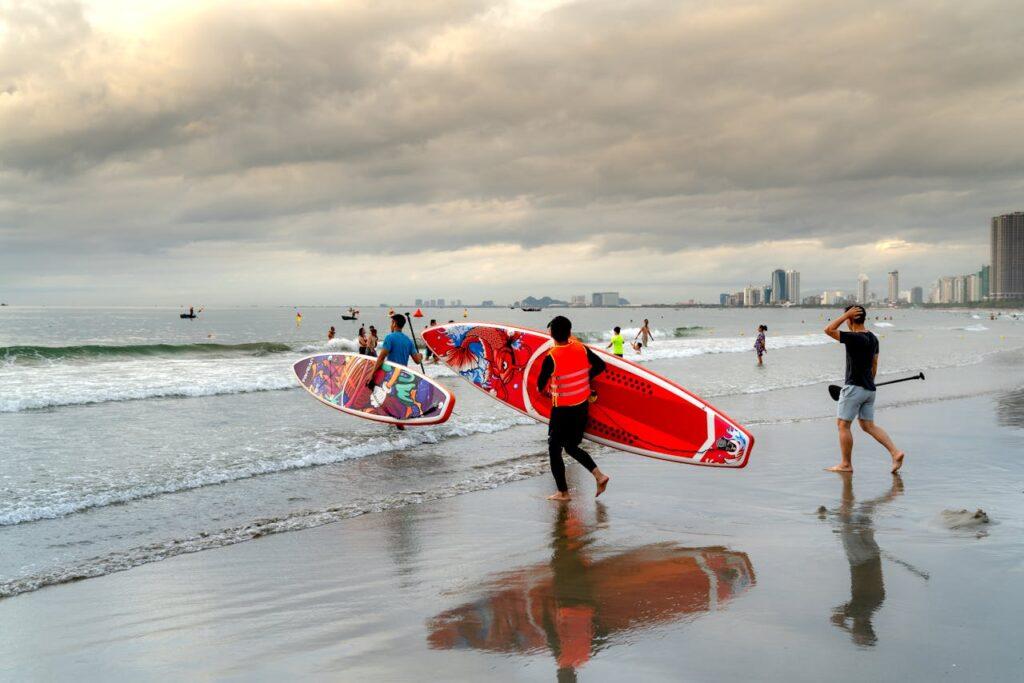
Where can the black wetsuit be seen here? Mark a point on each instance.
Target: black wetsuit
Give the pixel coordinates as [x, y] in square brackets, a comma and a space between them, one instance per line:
[567, 424]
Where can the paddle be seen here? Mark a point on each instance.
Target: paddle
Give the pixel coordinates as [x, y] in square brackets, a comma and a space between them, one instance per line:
[834, 389]
[408, 319]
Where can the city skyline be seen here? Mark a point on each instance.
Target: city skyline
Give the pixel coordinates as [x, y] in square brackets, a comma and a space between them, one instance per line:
[266, 153]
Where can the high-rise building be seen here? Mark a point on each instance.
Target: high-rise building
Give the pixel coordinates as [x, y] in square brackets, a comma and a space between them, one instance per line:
[959, 290]
[605, 299]
[894, 287]
[440, 303]
[973, 288]
[984, 274]
[916, 296]
[751, 294]
[778, 286]
[793, 286]
[487, 303]
[1007, 276]
[578, 300]
[767, 296]
[833, 297]
[419, 302]
[862, 289]
[723, 299]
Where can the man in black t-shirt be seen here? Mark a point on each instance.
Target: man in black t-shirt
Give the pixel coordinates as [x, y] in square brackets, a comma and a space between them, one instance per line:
[857, 399]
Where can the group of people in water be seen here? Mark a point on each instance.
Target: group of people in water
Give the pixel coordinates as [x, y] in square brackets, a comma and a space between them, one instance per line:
[643, 337]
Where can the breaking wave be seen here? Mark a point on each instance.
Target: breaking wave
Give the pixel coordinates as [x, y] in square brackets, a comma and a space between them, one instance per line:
[66, 502]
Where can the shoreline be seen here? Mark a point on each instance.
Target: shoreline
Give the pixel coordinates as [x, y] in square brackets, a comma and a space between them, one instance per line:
[389, 593]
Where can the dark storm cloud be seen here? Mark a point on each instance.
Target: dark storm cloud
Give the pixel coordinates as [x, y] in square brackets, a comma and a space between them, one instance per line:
[375, 127]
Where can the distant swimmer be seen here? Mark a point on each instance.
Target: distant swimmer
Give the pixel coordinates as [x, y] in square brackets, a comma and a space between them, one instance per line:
[397, 349]
[364, 342]
[330, 333]
[857, 399]
[644, 335]
[759, 344]
[617, 342]
[298, 319]
[570, 366]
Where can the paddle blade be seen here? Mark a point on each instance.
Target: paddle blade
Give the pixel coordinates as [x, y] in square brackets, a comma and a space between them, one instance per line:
[833, 391]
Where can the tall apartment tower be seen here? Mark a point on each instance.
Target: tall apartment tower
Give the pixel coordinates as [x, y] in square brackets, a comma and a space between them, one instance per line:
[779, 293]
[1006, 279]
[793, 286]
[862, 289]
[894, 287]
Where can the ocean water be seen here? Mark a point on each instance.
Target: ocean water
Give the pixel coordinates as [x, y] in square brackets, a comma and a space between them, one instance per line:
[128, 436]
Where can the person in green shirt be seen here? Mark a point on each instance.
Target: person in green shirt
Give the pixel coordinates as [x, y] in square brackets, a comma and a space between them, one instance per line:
[617, 342]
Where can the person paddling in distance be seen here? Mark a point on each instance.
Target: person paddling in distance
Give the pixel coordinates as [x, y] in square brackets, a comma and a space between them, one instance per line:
[396, 349]
[617, 342]
[569, 366]
[857, 399]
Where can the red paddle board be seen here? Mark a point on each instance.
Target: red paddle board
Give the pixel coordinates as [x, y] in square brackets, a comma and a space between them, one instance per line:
[636, 410]
[402, 395]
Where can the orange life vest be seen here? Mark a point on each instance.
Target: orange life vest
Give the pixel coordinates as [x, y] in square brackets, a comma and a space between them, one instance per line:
[570, 383]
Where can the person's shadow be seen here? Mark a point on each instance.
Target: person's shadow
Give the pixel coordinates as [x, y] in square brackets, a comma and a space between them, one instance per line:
[867, 586]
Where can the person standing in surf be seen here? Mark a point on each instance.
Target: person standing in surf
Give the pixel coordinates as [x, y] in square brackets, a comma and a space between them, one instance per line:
[330, 333]
[644, 335]
[397, 349]
[363, 342]
[428, 354]
[759, 343]
[857, 399]
[371, 342]
[617, 342]
[569, 366]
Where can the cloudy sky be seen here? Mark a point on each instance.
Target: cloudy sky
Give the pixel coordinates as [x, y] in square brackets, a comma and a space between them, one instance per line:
[308, 152]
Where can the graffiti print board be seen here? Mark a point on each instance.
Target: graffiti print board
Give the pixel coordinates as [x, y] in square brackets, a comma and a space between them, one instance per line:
[402, 395]
[636, 410]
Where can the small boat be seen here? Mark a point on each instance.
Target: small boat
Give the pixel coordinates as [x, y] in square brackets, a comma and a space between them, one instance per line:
[349, 317]
[531, 310]
[188, 316]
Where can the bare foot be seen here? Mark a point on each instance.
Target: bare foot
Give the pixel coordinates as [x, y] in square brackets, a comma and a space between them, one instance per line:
[602, 484]
[897, 462]
[839, 468]
[561, 495]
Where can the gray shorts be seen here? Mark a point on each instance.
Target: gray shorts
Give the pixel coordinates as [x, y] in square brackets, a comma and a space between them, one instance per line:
[856, 402]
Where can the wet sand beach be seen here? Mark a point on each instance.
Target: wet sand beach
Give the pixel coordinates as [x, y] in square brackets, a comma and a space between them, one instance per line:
[778, 572]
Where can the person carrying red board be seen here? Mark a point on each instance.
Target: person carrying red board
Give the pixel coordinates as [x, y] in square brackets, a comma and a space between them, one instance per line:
[569, 366]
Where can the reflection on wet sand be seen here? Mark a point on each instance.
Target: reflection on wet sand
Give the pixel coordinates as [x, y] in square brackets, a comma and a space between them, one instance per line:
[577, 604]
[867, 586]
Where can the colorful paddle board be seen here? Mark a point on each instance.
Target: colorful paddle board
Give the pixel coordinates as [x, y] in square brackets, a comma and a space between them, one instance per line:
[402, 395]
[636, 410]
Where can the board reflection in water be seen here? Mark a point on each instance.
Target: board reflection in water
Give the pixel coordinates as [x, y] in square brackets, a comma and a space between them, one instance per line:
[581, 601]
